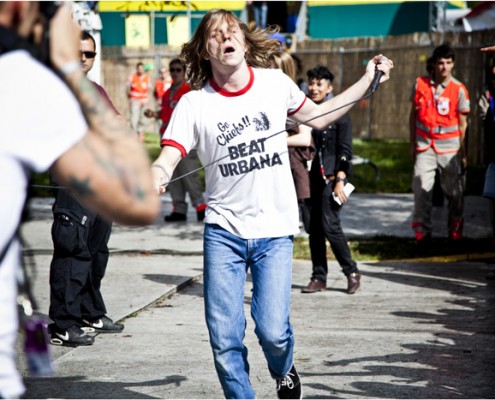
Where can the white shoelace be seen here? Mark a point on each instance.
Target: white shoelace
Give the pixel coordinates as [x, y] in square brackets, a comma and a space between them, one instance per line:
[286, 381]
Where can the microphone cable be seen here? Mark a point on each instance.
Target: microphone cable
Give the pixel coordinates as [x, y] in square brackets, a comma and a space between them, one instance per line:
[295, 125]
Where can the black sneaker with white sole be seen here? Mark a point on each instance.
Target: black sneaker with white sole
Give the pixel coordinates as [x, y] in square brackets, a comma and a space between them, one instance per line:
[73, 336]
[103, 325]
[289, 387]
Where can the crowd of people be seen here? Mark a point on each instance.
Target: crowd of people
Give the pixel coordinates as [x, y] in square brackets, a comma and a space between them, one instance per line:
[276, 161]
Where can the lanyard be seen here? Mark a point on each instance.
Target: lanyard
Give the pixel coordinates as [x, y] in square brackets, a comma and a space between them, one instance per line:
[320, 156]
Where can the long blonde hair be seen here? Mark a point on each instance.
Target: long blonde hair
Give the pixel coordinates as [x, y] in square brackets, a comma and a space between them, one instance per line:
[259, 47]
[284, 61]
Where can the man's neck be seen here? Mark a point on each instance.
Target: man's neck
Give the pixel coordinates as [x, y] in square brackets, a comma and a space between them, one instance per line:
[443, 81]
[232, 79]
[176, 85]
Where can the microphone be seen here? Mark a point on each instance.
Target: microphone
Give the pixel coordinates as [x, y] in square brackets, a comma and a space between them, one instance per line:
[378, 76]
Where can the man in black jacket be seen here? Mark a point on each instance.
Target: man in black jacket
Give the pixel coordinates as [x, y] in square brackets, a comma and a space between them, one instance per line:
[80, 243]
[329, 171]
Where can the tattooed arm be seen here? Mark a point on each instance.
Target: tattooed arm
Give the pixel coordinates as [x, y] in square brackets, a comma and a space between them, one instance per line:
[108, 170]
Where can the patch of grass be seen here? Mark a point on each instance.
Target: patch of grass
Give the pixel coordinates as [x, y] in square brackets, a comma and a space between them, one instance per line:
[390, 248]
[132, 315]
[152, 144]
[391, 158]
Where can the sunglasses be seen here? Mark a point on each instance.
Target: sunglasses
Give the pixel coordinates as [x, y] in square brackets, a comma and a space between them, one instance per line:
[87, 54]
[175, 69]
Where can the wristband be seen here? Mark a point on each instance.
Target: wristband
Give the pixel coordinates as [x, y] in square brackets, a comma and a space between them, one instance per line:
[71, 66]
[339, 179]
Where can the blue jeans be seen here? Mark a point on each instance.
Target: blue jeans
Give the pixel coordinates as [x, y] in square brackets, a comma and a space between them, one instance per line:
[260, 12]
[226, 262]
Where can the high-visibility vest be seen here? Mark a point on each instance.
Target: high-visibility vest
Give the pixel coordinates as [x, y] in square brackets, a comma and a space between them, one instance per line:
[159, 89]
[437, 117]
[161, 86]
[139, 86]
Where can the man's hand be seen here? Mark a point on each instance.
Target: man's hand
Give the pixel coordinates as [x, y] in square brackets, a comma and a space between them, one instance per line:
[339, 192]
[381, 63]
[163, 167]
[149, 113]
[464, 163]
[65, 37]
[463, 157]
[160, 177]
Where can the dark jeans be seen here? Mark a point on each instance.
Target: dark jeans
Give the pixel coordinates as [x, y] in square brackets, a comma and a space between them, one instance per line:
[325, 224]
[80, 238]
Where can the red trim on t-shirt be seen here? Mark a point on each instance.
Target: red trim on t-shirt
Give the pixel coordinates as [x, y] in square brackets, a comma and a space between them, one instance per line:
[173, 143]
[298, 108]
[226, 93]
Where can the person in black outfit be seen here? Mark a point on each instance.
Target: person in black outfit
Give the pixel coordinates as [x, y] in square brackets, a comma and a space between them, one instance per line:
[80, 240]
[329, 172]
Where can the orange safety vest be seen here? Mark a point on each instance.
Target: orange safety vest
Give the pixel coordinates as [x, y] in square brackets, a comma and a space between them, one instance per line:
[139, 87]
[159, 89]
[437, 117]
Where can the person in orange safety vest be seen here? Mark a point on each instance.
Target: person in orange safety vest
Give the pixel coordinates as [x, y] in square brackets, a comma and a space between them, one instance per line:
[438, 123]
[138, 87]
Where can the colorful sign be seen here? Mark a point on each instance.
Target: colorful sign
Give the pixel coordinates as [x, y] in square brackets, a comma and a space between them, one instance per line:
[177, 30]
[137, 31]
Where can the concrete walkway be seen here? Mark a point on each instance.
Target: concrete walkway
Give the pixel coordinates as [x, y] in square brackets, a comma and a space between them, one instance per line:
[415, 330]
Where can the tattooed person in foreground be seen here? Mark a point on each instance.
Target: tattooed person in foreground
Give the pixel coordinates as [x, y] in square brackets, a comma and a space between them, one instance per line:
[67, 127]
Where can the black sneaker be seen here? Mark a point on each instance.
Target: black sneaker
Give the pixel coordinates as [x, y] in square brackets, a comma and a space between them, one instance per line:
[103, 325]
[174, 217]
[73, 336]
[289, 387]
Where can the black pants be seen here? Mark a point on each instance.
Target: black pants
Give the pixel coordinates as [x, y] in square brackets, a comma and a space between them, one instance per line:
[80, 239]
[325, 224]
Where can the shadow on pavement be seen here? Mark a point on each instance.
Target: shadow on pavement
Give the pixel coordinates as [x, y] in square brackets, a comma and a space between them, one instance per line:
[76, 388]
[457, 362]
